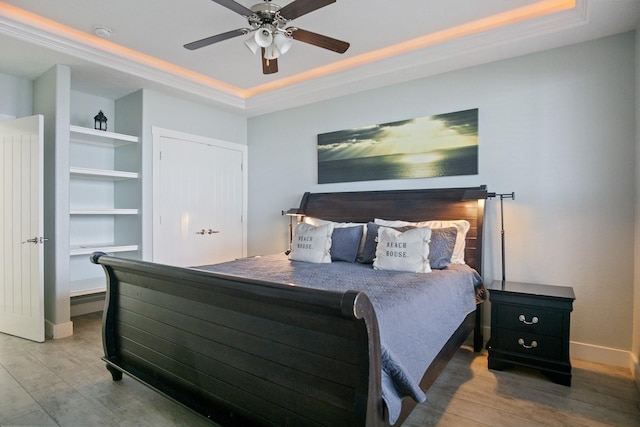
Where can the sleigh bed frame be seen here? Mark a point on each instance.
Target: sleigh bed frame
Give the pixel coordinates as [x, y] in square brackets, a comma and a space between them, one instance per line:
[250, 352]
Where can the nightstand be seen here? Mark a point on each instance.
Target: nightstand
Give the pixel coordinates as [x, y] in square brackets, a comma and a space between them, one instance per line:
[530, 327]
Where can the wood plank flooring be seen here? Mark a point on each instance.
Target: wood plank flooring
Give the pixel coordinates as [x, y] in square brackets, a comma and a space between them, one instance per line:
[64, 382]
[467, 393]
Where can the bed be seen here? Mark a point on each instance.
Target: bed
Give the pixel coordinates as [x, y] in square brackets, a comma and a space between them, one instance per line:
[252, 343]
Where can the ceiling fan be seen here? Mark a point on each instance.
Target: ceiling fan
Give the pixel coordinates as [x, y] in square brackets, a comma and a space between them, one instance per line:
[268, 21]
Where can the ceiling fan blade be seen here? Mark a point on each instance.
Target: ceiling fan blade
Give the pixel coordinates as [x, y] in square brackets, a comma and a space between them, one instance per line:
[269, 66]
[319, 40]
[215, 39]
[298, 8]
[235, 6]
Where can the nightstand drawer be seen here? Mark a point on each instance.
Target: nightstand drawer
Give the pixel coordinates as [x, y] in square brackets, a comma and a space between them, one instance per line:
[529, 319]
[530, 344]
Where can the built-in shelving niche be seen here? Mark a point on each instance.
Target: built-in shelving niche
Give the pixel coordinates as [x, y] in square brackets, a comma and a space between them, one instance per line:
[100, 202]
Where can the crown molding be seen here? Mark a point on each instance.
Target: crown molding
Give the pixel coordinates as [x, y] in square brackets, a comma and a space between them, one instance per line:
[493, 45]
[481, 47]
[153, 72]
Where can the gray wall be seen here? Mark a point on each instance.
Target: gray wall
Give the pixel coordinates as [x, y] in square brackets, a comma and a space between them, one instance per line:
[17, 96]
[556, 127]
[84, 107]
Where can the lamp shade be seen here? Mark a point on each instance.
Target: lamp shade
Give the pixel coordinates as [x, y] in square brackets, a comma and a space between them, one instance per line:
[271, 51]
[263, 37]
[252, 45]
[282, 42]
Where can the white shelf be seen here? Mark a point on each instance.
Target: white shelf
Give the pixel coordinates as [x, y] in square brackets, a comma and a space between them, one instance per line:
[88, 286]
[104, 212]
[99, 137]
[88, 249]
[102, 174]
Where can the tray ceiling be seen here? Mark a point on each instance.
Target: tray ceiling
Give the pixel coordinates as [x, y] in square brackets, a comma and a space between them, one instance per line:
[390, 42]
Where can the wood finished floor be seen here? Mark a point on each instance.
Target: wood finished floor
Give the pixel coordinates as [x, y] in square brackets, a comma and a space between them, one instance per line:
[64, 382]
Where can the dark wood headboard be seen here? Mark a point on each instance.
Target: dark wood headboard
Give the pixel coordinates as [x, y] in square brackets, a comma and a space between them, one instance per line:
[408, 205]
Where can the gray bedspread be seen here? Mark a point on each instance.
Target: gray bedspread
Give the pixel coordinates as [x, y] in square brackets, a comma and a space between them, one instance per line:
[417, 312]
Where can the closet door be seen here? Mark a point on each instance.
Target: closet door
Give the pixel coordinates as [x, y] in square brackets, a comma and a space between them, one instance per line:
[199, 211]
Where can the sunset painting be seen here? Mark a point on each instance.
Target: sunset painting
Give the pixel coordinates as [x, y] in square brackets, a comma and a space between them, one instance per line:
[439, 145]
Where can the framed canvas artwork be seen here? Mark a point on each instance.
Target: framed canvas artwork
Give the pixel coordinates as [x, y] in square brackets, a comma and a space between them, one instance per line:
[431, 146]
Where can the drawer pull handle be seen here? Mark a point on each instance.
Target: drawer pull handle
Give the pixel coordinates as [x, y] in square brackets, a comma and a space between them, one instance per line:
[534, 344]
[524, 320]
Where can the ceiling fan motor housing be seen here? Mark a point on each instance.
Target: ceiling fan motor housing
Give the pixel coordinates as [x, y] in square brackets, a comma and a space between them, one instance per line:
[266, 15]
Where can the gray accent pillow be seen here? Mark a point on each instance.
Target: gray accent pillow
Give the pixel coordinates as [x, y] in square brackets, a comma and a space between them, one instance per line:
[443, 240]
[345, 242]
[370, 244]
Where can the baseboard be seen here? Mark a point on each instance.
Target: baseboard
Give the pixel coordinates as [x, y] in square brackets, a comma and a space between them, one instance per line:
[86, 308]
[598, 354]
[86, 304]
[57, 331]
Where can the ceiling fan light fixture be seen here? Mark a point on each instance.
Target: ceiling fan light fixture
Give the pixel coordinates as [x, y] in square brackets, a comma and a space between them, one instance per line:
[282, 42]
[252, 45]
[263, 37]
[271, 52]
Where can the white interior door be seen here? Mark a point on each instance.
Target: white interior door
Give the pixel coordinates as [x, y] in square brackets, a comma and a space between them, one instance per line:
[22, 228]
[199, 185]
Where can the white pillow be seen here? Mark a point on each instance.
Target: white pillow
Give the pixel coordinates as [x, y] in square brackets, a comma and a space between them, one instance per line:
[461, 225]
[311, 244]
[408, 251]
[317, 222]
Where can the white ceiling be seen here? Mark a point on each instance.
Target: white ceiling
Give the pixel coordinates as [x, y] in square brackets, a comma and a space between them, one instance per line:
[391, 41]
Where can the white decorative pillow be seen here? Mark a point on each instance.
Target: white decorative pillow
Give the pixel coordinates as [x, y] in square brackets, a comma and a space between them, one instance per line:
[461, 225]
[311, 244]
[403, 251]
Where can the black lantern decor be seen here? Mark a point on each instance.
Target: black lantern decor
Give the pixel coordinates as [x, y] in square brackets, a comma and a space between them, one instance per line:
[100, 121]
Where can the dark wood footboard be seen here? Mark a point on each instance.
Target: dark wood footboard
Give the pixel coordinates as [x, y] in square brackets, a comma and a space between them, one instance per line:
[243, 352]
